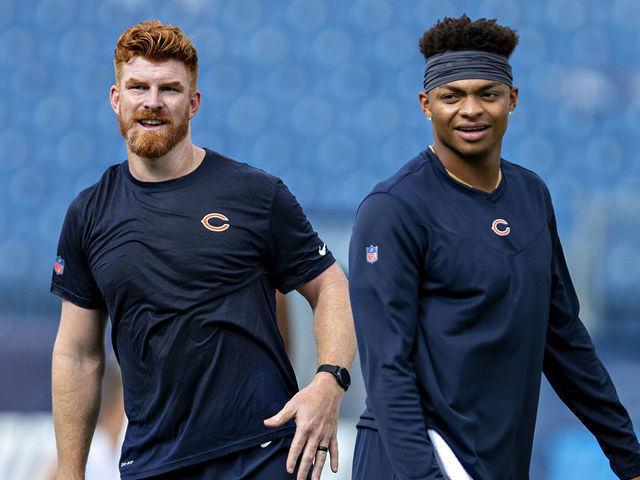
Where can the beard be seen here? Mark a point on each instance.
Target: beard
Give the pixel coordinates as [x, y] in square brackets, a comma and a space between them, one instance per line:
[153, 144]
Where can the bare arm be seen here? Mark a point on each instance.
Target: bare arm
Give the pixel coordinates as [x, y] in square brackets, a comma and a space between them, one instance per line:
[328, 295]
[316, 407]
[77, 369]
[282, 316]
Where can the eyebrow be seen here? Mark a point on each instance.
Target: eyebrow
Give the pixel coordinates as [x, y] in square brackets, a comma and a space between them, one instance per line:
[174, 84]
[483, 88]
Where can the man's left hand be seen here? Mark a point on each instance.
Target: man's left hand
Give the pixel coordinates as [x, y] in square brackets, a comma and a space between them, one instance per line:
[315, 411]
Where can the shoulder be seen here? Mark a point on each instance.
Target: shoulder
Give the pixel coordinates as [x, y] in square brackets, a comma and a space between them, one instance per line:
[85, 208]
[522, 173]
[526, 179]
[233, 168]
[392, 208]
[243, 181]
[406, 176]
[401, 188]
[99, 191]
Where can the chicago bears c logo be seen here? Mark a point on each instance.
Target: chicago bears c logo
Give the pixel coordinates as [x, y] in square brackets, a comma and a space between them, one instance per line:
[498, 225]
[215, 228]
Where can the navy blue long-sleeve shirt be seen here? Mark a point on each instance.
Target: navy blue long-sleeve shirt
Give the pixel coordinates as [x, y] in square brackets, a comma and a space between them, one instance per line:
[461, 299]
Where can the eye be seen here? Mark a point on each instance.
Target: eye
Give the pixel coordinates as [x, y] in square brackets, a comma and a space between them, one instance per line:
[449, 97]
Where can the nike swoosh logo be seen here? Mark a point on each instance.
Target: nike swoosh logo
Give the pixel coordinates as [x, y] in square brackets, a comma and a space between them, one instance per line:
[265, 444]
[322, 250]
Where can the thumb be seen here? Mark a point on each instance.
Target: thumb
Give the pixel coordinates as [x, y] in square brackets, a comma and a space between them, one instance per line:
[280, 418]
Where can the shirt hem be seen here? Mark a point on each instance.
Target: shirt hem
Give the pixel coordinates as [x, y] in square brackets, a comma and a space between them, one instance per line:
[210, 455]
[318, 268]
[76, 299]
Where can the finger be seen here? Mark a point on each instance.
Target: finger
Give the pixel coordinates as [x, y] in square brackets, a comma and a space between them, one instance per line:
[280, 418]
[318, 464]
[297, 444]
[307, 458]
[333, 451]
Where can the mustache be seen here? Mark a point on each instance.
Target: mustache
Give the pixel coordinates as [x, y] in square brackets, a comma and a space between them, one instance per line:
[151, 115]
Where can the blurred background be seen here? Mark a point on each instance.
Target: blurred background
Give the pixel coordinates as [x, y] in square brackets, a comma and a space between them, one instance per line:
[322, 93]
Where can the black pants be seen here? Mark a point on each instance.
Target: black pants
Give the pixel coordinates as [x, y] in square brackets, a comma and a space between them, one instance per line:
[255, 463]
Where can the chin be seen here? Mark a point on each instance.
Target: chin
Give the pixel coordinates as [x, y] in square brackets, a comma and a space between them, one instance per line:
[474, 150]
[154, 145]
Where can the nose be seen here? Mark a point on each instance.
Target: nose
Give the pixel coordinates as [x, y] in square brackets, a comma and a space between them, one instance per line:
[470, 106]
[152, 100]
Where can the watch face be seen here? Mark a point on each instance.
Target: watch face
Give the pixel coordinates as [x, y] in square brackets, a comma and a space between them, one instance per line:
[345, 378]
[341, 374]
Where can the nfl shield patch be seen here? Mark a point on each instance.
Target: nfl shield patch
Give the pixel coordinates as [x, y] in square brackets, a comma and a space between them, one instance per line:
[372, 254]
[59, 266]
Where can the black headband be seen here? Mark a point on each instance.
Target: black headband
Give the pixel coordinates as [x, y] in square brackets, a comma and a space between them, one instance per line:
[455, 65]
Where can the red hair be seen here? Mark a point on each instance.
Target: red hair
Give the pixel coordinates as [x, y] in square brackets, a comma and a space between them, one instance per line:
[156, 41]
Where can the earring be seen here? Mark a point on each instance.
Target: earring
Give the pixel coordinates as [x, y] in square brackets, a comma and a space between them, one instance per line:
[510, 112]
[428, 116]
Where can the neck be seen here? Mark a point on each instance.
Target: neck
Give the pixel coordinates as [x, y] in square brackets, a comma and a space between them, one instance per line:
[481, 172]
[181, 160]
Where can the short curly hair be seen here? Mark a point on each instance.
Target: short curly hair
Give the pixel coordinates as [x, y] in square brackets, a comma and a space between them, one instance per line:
[463, 34]
[156, 41]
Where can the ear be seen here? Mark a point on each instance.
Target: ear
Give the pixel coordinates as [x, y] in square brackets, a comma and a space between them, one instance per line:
[194, 103]
[423, 97]
[513, 98]
[114, 98]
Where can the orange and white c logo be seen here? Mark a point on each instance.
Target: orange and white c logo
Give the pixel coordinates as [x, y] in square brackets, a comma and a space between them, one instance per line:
[218, 228]
[498, 223]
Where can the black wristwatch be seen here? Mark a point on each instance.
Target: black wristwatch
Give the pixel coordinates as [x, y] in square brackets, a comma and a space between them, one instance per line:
[342, 374]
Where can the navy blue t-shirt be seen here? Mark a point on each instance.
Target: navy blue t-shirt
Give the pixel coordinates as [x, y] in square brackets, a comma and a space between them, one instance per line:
[187, 271]
[461, 299]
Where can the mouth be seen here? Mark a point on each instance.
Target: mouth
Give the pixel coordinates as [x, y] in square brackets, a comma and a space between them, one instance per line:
[151, 124]
[472, 133]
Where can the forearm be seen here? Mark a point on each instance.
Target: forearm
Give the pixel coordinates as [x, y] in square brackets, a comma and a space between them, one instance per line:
[396, 405]
[76, 392]
[333, 322]
[392, 393]
[315, 408]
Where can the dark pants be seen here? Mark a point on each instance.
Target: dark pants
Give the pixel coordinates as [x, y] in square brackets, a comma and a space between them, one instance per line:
[255, 463]
[370, 460]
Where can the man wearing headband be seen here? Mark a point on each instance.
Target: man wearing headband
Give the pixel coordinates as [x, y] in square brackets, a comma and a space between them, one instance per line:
[461, 294]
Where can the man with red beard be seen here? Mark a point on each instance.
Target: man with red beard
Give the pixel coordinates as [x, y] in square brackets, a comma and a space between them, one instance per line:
[183, 249]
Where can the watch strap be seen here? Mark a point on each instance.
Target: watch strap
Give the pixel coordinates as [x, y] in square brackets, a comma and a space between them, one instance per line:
[336, 371]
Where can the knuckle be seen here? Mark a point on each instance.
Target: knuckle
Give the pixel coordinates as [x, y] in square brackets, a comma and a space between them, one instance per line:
[306, 428]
